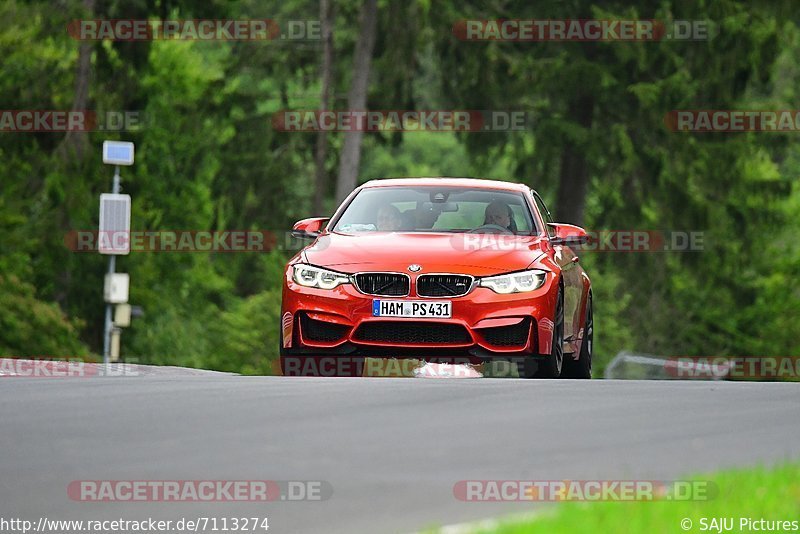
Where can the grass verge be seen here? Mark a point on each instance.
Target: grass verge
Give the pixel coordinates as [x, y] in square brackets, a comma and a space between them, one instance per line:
[771, 494]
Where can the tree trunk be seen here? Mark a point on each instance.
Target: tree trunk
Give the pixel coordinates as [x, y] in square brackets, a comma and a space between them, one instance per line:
[321, 181]
[574, 178]
[357, 100]
[75, 145]
[74, 149]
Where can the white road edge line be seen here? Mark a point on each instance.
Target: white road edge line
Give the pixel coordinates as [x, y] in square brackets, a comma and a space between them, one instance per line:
[485, 524]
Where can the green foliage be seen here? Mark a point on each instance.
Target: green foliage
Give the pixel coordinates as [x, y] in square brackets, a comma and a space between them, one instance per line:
[420, 154]
[246, 337]
[612, 302]
[34, 328]
[209, 159]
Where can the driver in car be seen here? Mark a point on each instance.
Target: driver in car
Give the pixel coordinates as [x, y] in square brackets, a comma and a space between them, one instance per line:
[497, 213]
[389, 219]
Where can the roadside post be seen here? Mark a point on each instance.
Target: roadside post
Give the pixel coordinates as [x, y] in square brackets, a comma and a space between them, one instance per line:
[114, 240]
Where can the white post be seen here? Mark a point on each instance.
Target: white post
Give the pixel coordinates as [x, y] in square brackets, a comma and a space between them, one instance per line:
[112, 263]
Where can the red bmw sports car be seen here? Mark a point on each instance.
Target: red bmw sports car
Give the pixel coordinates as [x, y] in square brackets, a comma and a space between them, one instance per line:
[437, 269]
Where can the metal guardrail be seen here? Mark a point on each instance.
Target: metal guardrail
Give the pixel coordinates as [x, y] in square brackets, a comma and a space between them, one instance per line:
[632, 366]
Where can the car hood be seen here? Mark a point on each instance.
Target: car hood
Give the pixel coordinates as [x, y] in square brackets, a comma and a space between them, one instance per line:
[475, 254]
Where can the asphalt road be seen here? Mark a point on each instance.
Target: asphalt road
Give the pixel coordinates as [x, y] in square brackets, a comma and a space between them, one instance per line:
[391, 449]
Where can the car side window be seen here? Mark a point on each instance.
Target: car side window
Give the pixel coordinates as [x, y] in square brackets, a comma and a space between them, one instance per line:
[545, 213]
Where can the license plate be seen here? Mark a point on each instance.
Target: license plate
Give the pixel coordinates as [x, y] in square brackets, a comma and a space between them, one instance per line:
[440, 309]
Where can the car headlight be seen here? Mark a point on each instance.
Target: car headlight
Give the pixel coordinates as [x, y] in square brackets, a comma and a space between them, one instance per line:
[520, 282]
[310, 276]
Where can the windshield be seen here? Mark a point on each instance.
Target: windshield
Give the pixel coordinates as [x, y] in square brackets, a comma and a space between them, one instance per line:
[436, 209]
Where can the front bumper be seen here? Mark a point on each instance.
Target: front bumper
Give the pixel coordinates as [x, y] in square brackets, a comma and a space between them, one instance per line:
[483, 323]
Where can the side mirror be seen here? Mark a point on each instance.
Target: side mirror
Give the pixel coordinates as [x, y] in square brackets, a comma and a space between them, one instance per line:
[569, 234]
[309, 228]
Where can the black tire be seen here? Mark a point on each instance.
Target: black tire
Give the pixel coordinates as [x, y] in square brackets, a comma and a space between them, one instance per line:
[550, 366]
[290, 362]
[296, 364]
[527, 367]
[305, 362]
[582, 367]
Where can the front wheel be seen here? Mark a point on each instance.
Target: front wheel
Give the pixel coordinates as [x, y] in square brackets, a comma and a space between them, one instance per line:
[550, 365]
[582, 367]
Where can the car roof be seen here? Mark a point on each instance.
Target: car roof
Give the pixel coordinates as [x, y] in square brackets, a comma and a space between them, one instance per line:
[447, 182]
